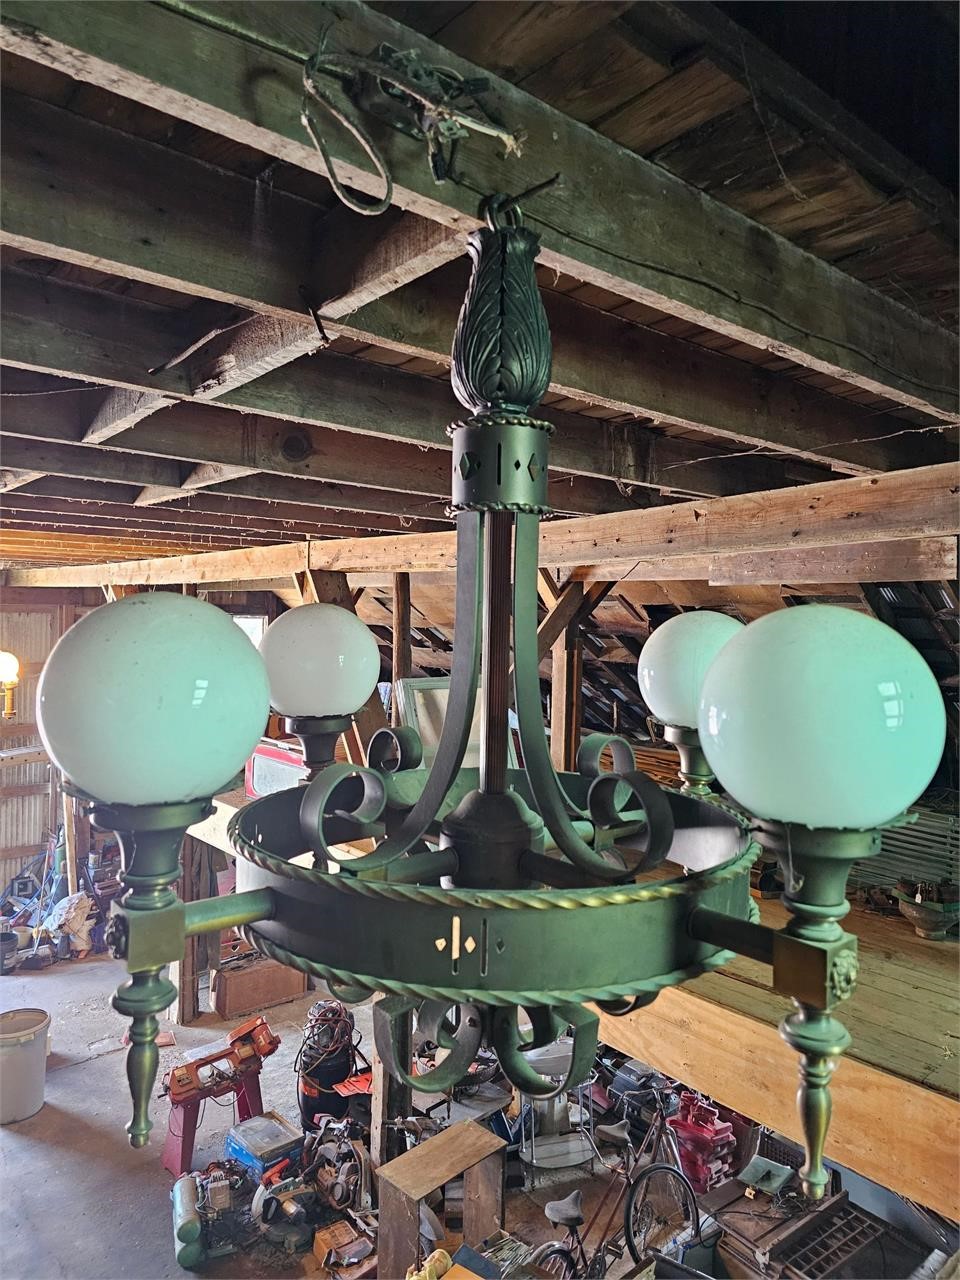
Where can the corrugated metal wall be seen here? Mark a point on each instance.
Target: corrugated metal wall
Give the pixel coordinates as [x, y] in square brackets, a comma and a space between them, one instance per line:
[25, 800]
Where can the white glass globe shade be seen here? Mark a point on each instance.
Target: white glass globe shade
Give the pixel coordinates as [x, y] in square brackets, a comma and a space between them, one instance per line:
[675, 659]
[321, 660]
[157, 698]
[9, 667]
[822, 716]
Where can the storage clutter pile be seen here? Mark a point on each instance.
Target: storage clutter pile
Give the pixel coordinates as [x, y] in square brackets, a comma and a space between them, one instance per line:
[41, 922]
[279, 1188]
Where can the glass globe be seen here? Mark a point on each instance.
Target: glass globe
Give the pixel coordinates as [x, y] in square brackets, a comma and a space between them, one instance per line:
[822, 716]
[675, 659]
[9, 667]
[321, 661]
[158, 698]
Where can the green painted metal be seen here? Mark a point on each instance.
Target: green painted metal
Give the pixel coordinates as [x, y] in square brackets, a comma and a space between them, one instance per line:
[150, 837]
[546, 912]
[209, 915]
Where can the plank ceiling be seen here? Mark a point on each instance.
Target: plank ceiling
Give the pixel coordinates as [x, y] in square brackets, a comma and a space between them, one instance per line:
[161, 396]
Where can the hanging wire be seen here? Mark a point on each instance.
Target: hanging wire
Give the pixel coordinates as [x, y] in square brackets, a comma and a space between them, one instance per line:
[438, 118]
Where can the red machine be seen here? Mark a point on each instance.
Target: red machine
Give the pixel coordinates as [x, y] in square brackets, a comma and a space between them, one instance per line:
[234, 1069]
[273, 766]
[707, 1143]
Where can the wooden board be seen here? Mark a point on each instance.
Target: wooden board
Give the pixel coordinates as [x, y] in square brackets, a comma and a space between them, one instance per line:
[441, 1158]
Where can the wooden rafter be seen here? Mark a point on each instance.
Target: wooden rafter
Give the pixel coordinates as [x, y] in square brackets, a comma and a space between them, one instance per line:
[599, 357]
[66, 331]
[635, 229]
[858, 511]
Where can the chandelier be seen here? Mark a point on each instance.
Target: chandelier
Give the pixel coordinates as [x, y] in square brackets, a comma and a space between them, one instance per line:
[492, 890]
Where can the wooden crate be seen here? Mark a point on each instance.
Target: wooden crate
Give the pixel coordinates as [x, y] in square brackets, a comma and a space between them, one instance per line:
[255, 983]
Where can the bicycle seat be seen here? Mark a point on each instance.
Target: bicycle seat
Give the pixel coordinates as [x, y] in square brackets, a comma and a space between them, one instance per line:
[567, 1212]
[617, 1134]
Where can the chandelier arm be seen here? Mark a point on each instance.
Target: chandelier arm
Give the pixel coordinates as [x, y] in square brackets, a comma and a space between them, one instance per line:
[552, 802]
[464, 678]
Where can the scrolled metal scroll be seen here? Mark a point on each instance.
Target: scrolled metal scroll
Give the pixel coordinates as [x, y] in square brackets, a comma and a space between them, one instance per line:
[362, 799]
[394, 750]
[511, 1046]
[606, 804]
[461, 1040]
[590, 753]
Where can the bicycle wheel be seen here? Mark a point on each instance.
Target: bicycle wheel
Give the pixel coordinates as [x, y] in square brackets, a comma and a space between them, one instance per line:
[661, 1212]
[555, 1260]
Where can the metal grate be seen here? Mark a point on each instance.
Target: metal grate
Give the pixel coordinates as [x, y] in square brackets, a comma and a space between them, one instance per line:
[928, 849]
[836, 1240]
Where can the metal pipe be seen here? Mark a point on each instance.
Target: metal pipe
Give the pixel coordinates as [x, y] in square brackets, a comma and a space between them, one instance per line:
[497, 527]
[208, 915]
[719, 930]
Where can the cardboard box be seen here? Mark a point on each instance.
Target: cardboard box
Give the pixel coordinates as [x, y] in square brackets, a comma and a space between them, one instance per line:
[253, 984]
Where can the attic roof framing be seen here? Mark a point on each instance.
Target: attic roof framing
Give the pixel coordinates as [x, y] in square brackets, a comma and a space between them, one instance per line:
[150, 447]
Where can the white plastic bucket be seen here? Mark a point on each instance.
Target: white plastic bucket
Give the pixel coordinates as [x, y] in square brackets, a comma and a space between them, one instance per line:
[23, 1063]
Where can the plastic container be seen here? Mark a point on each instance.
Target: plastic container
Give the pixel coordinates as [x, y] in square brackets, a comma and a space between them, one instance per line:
[262, 1141]
[23, 1063]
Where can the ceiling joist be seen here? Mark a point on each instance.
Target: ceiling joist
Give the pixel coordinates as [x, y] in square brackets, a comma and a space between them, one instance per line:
[633, 228]
[148, 230]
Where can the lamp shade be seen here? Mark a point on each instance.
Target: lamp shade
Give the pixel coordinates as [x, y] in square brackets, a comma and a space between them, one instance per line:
[321, 660]
[822, 716]
[158, 698]
[675, 659]
[9, 667]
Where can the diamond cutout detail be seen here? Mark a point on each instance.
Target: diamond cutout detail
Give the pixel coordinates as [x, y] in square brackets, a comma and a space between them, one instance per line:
[468, 465]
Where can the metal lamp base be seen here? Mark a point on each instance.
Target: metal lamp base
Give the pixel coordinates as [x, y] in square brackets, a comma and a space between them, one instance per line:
[695, 774]
[150, 836]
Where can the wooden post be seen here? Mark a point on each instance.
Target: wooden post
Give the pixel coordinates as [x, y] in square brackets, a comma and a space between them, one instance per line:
[70, 840]
[183, 973]
[566, 699]
[390, 1099]
[402, 663]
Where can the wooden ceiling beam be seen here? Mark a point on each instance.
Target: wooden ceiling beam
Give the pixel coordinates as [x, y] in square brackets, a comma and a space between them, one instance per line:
[287, 498]
[199, 538]
[226, 446]
[11, 480]
[66, 331]
[633, 229]
[268, 523]
[907, 560]
[598, 357]
[164, 475]
[888, 508]
[601, 358]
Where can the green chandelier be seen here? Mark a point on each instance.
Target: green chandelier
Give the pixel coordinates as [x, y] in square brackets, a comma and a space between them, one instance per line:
[491, 890]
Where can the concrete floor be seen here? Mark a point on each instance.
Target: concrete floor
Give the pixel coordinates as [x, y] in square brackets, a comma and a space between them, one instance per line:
[77, 1202]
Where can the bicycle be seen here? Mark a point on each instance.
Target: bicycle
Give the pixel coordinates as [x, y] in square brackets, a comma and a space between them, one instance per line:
[660, 1210]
